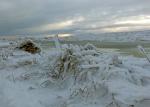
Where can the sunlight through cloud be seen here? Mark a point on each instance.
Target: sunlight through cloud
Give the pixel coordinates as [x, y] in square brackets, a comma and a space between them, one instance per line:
[135, 20]
[60, 25]
[129, 24]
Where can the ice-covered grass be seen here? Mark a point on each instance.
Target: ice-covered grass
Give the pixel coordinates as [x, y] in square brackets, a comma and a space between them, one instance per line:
[74, 76]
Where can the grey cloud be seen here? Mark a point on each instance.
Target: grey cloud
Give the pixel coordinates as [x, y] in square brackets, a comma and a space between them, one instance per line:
[21, 14]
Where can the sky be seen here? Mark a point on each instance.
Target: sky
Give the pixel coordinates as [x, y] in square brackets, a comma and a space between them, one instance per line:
[93, 16]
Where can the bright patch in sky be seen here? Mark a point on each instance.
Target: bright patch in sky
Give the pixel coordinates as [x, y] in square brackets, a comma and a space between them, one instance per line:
[130, 24]
[135, 20]
[57, 25]
[63, 24]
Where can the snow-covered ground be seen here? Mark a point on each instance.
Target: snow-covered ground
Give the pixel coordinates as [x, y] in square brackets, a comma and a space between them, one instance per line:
[4, 43]
[75, 76]
[116, 36]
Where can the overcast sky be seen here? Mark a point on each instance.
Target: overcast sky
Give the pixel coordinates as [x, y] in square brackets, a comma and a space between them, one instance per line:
[42, 16]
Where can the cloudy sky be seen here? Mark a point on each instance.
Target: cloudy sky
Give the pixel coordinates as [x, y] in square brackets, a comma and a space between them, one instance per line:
[44, 16]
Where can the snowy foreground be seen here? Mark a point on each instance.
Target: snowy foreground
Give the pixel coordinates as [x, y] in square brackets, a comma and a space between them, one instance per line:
[73, 76]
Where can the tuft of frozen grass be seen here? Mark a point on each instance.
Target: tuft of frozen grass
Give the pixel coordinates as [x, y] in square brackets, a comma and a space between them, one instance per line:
[29, 46]
[66, 62]
[142, 50]
[57, 43]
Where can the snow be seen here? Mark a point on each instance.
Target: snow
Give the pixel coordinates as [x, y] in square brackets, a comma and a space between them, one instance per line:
[4, 43]
[113, 36]
[89, 77]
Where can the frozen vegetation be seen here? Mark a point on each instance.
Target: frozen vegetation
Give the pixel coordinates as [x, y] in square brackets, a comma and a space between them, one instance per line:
[73, 76]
